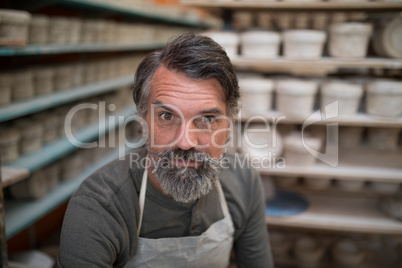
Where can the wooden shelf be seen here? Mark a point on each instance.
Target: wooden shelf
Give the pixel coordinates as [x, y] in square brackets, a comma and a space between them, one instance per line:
[51, 152]
[328, 5]
[321, 66]
[341, 214]
[357, 173]
[55, 99]
[11, 175]
[22, 214]
[76, 48]
[360, 119]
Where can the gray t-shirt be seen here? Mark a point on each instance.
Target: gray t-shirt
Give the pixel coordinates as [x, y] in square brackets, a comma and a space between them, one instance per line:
[100, 225]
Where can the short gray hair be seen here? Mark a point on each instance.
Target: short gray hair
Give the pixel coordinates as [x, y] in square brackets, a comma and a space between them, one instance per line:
[197, 57]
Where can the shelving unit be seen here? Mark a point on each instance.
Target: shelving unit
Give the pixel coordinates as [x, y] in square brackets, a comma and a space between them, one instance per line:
[75, 48]
[330, 210]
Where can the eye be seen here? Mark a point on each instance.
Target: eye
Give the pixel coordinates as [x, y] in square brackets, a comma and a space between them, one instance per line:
[208, 119]
[166, 116]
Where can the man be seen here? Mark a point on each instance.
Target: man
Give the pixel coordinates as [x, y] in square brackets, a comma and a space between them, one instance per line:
[178, 202]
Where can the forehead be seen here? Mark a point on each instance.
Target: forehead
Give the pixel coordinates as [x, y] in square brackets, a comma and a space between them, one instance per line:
[174, 88]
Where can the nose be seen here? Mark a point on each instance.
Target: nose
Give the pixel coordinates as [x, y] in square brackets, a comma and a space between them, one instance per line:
[188, 138]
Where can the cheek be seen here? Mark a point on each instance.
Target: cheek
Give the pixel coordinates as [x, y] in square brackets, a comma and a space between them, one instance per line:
[161, 137]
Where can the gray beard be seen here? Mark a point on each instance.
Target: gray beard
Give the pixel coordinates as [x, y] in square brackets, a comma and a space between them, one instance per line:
[185, 184]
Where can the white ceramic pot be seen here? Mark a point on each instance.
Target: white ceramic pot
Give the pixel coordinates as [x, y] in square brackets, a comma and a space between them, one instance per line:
[31, 133]
[22, 86]
[281, 244]
[260, 44]
[384, 98]
[350, 185]
[228, 40]
[262, 142]
[52, 173]
[385, 187]
[318, 183]
[38, 30]
[50, 125]
[392, 206]
[34, 187]
[75, 30]
[43, 80]
[14, 26]
[350, 137]
[9, 138]
[296, 152]
[348, 253]
[303, 44]
[308, 251]
[62, 78]
[71, 166]
[348, 95]
[295, 97]
[5, 88]
[383, 138]
[349, 40]
[256, 95]
[58, 30]
[242, 19]
[388, 39]
[286, 181]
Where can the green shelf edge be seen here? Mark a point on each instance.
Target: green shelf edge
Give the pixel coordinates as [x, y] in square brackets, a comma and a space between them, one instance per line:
[62, 147]
[22, 214]
[22, 108]
[49, 49]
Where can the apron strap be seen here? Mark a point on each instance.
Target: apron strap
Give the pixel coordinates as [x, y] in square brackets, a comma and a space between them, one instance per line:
[222, 198]
[142, 197]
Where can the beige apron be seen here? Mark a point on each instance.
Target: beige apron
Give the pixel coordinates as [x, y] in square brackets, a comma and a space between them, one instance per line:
[210, 249]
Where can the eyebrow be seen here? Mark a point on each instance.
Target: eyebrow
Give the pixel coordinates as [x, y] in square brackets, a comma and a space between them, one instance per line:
[212, 111]
[209, 111]
[160, 104]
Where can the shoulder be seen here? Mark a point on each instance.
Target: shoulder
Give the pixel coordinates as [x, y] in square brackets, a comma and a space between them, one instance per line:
[119, 175]
[237, 171]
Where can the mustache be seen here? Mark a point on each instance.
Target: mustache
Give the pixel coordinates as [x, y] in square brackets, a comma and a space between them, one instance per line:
[185, 155]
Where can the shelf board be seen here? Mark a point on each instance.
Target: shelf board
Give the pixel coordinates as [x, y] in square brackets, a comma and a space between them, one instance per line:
[37, 104]
[21, 214]
[359, 119]
[375, 6]
[11, 175]
[51, 152]
[357, 173]
[320, 66]
[341, 214]
[112, 9]
[76, 48]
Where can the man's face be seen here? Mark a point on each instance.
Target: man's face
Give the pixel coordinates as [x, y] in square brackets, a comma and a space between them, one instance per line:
[188, 127]
[184, 113]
